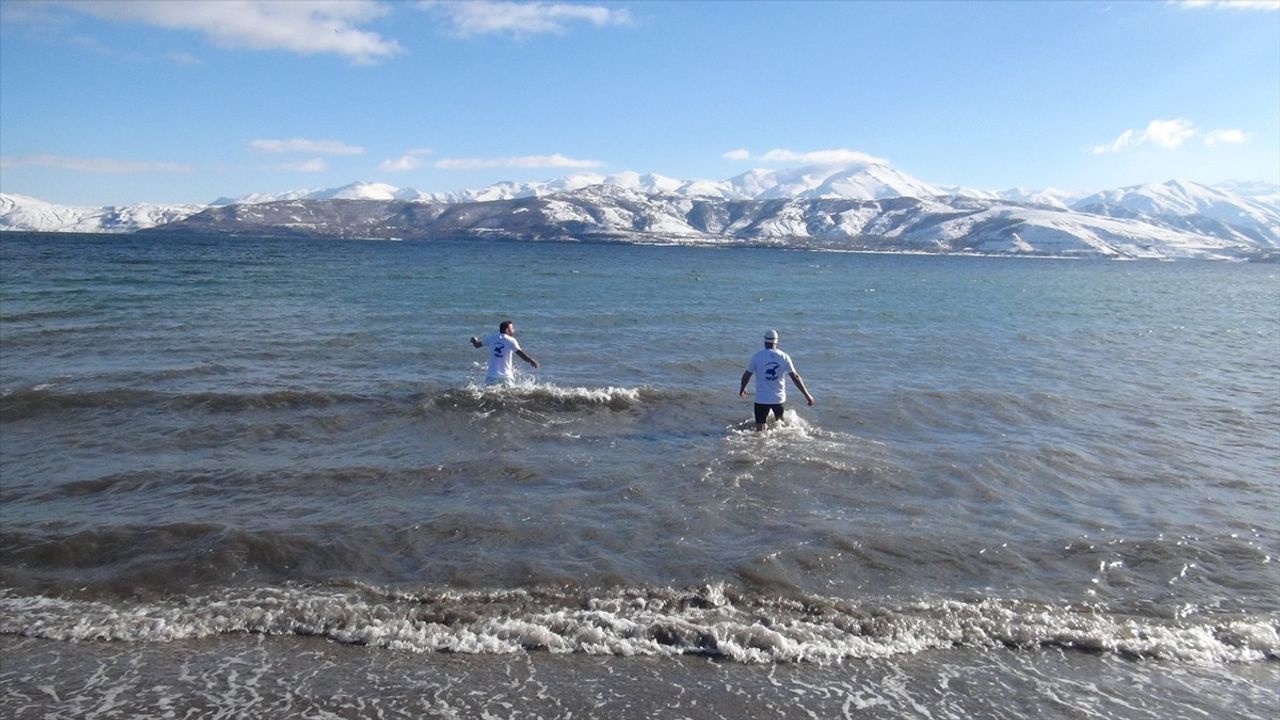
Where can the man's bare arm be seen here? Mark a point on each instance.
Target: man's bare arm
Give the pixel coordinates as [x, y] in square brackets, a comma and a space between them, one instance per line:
[795, 378]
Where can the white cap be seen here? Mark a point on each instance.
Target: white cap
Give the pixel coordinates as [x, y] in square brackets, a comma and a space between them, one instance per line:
[771, 336]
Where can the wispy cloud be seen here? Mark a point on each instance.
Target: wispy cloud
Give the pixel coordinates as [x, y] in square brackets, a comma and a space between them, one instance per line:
[1170, 135]
[302, 26]
[93, 165]
[483, 17]
[300, 145]
[29, 12]
[409, 161]
[526, 161]
[314, 165]
[183, 58]
[1230, 137]
[89, 44]
[835, 156]
[1265, 5]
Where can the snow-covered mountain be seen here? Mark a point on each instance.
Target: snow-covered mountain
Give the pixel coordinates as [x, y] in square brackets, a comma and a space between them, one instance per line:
[19, 212]
[354, 191]
[864, 206]
[1187, 205]
[1051, 197]
[866, 181]
[498, 191]
[943, 224]
[1263, 192]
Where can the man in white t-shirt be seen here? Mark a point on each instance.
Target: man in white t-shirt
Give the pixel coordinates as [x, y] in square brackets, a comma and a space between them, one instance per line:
[771, 367]
[502, 345]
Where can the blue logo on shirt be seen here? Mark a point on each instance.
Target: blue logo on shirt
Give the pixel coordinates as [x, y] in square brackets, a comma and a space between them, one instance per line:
[771, 371]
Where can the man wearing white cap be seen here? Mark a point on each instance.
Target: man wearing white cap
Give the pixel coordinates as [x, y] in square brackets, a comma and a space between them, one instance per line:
[771, 367]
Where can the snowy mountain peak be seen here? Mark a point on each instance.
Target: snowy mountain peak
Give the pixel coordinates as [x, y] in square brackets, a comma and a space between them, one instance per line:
[1172, 197]
[859, 181]
[361, 191]
[1189, 206]
[355, 191]
[1267, 193]
[647, 182]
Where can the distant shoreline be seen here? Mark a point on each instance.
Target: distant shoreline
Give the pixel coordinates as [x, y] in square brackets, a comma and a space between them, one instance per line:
[158, 233]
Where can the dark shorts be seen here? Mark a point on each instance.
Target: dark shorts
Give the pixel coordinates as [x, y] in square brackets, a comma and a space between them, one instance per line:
[762, 412]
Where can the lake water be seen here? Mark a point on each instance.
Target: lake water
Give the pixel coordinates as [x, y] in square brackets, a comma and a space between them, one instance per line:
[254, 478]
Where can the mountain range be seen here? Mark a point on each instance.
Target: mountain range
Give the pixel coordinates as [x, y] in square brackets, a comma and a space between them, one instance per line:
[869, 206]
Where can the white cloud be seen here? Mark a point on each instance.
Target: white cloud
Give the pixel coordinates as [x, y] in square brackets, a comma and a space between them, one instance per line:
[1265, 5]
[1168, 134]
[300, 145]
[301, 26]
[481, 17]
[836, 156]
[527, 161]
[1233, 137]
[409, 161]
[94, 165]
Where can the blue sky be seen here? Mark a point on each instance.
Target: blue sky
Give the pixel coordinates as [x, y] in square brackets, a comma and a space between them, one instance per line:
[119, 102]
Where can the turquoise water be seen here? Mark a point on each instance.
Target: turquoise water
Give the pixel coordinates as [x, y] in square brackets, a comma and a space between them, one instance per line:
[1048, 475]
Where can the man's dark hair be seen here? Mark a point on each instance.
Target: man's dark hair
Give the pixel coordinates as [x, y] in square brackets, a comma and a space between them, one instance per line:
[504, 326]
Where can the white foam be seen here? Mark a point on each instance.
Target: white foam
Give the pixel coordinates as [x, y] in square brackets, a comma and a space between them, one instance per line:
[660, 622]
[795, 438]
[527, 387]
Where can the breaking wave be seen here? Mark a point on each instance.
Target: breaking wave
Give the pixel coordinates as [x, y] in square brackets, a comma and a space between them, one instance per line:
[46, 399]
[710, 621]
[548, 397]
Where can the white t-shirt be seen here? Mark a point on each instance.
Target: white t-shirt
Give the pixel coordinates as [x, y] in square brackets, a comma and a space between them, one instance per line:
[770, 366]
[501, 349]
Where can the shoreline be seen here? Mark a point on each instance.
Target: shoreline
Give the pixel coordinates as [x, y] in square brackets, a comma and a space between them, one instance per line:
[649, 241]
